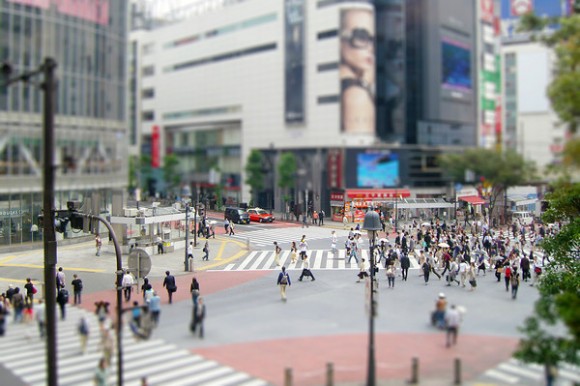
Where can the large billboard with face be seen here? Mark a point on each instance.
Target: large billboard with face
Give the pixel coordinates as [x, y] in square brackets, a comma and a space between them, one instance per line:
[294, 61]
[357, 71]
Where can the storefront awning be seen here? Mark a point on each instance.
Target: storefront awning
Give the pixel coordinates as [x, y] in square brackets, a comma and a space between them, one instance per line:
[473, 200]
[377, 194]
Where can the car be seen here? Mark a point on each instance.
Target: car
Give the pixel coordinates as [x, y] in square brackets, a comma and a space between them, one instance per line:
[237, 215]
[260, 215]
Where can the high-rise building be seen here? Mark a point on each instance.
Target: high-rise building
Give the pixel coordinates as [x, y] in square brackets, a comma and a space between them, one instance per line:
[87, 39]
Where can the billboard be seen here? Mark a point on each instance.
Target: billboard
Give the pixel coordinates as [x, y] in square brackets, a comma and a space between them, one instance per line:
[96, 11]
[294, 61]
[357, 71]
[377, 169]
[456, 65]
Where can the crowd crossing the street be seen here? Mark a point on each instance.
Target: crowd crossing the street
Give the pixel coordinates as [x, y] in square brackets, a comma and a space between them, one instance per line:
[155, 360]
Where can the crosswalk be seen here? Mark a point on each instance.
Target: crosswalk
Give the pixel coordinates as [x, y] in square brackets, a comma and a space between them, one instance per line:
[162, 363]
[266, 237]
[514, 372]
[319, 259]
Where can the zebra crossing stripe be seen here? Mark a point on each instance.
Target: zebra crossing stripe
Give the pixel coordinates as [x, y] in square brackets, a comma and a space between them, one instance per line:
[248, 259]
[520, 371]
[254, 266]
[283, 256]
[317, 256]
[500, 376]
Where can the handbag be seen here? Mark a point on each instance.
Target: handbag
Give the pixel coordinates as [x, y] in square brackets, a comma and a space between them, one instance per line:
[195, 292]
[473, 283]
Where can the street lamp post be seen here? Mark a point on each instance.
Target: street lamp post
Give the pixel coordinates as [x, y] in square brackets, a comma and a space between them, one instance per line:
[185, 262]
[372, 224]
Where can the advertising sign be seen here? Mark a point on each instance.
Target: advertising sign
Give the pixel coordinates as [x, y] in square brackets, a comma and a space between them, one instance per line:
[96, 11]
[294, 61]
[521, 7]
[357, 71]
[155, 147]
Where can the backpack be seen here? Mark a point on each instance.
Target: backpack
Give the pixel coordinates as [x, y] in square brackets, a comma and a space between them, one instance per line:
[64, 295]
[508, 271]
[514, 280]
[284, 279]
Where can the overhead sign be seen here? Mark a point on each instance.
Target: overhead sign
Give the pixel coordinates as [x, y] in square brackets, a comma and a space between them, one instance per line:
[139, 262]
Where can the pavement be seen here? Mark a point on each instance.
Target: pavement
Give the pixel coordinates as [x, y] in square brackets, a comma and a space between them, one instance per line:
[268, 358]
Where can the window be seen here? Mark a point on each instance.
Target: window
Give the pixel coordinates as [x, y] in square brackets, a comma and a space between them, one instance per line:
[148, 71]
[148, 93]
[148, 116]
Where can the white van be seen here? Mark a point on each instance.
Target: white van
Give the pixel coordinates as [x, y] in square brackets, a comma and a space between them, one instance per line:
[523, 218]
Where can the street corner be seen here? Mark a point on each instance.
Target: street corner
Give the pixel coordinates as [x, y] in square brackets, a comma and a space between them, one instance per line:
[308, 357]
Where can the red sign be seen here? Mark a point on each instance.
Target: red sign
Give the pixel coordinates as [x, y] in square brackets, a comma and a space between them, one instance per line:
[372, 194]
[337, 196]
[521, 7]
[487, 11]
[498, 112]
[96, 11]
[155, 147]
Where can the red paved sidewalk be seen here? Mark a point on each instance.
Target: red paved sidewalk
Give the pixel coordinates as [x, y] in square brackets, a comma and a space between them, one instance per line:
[394, 352]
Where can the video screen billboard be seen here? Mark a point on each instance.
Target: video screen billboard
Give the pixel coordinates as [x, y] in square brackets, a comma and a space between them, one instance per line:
[377, 169]
[357, 71]
[294, 61]
[456, 65]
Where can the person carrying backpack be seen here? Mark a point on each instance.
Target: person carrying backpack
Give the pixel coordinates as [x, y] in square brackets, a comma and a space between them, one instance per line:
[62, 300]
[515, 282]
[507, 276]
[282, 282]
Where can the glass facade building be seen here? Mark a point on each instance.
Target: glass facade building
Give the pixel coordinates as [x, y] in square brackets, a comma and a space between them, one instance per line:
[87, 39]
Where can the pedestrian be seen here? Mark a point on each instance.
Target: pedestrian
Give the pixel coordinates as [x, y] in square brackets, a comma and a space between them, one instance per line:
[515, 282]
[333, 241]
[471, 276]
[101, 373]
[3, 313]
[507, 272]
[226, 226]
[60, 278]
[303, 247]
[363, 271]
[305, 221]
[159, 242]
[315, 218]
[77, 285]
[283, 281]
[62, 300]
[83, 329]
[169, 284]
[107, 345]
[525, 266]
[194, 289]
[9, 293]
[102, 312]
[405, 265]
[353, 250]
[277, 251]
[136, 313]
[40, 313]
[452, 320]
[321, 215]
[190, 255]
[155, 308]
[293, 252]
[30, 291]
[306, 271]
[206, 251]
[463, 268]
[426, 267]
[232, 227]
[391, 275]
[98, 244]
[198, 317]
[145, 286]
[17, 305]
[345, 222]
[127, 284]
[440, 309]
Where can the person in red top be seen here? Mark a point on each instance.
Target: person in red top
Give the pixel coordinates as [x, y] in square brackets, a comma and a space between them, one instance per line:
[446, 262]
[507, 276]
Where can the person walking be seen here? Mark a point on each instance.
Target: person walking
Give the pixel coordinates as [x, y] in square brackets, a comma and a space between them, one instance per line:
[18, 305]
[40, 314]
[391, 275]
[277, 251]
[463, 268]
[62, 300]
[306, 271]
[60, 279]
[440, 309]
[507, 272]
[345, 222]
[426, 267]
[333, 241]
[194, 289]
[305, 221]
[77, 285]
[169, 284]
[515, 282]
[353, 250]
[405, 265]
[154, 306]
[146, 286]
[452, 320]
[303, 247]
[226, 226]
[282, 282]
[293, 252]
[30, 291]
[190, 253]
[98, 244]
[198, 317]
[206, 251]
[321, 215]
[101, 374]
[471, 276]
[232, 226]
[159, 242]
[83, 329]
[127, 284]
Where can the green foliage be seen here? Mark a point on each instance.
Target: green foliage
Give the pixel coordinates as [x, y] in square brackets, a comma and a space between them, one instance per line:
[558, 307]
[286, 170]
[133, 173]
[563, 92]
[171, 174]
[255, 171]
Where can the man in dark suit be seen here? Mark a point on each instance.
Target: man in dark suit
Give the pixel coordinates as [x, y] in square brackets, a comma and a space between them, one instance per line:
[169, 284]
[405, 265]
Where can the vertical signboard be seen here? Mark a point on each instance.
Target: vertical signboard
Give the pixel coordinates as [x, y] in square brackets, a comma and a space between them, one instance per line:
[155, 147]
[294, 61]
[521, 7]
[357, 71]
[489, 75]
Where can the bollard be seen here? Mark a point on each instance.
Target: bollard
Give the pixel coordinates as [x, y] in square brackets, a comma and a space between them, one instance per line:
[457, 366]
[414, 371]
[288, 377]
[329, 374]
[248, 243]
[190, 264]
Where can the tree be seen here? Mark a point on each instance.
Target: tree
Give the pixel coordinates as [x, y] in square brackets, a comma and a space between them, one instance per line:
[496, 169]
[563, 91]
[559, 287]
[255, 172]
[171, 174]
[286, 173]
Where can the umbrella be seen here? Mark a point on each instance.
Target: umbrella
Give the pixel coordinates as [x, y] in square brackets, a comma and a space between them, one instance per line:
[426, 224]
[357, 232]
[383, 240]
[444, 245]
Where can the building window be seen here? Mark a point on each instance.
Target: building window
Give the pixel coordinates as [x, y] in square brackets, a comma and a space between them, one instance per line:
[327, 99]
[148, 71]
[327, 34]
[327, 67]
[148, 93]
[148, 116]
